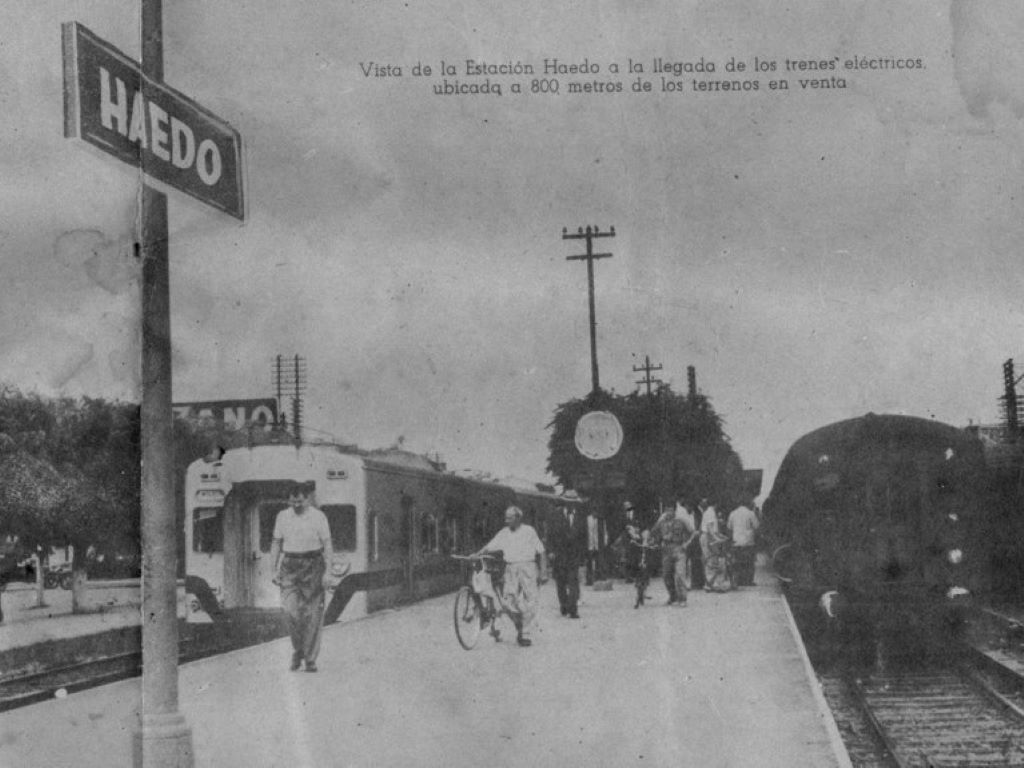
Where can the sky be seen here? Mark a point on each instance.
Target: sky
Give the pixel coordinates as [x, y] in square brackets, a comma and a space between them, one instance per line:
[816, 255]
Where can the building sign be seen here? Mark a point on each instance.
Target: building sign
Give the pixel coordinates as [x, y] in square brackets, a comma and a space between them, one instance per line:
[598, 435]
[231, 413]
[111, 105]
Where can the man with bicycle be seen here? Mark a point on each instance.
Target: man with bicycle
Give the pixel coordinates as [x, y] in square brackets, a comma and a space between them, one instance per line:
[521, 549]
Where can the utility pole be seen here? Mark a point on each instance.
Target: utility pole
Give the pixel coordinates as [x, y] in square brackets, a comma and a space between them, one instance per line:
[647, 368]
[163, 737]
[1010, 399]
[300, 387]
[691, 381]
[295, 388]
[589, 234]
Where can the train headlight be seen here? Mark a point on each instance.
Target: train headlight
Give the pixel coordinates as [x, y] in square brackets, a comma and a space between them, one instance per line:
[955, 556]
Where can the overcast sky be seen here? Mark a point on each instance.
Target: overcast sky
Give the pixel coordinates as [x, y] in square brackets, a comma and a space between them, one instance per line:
[816, 255]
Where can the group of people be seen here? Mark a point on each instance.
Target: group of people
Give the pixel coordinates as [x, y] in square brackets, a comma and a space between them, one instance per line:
[719, 550]
[705, 547]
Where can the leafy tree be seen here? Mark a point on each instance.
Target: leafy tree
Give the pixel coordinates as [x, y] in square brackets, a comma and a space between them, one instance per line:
[673, 445]
[70, 475]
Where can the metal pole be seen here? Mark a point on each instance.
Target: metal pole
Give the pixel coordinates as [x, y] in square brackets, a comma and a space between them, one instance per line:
[163, 737]
[595, 381]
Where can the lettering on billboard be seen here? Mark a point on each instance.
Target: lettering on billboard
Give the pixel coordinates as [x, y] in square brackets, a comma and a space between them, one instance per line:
[231, 413]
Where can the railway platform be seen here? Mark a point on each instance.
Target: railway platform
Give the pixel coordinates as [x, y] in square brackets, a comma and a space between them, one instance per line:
[721, 682]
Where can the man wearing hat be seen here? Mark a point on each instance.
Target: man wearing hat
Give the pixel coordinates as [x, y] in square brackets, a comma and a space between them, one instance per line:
[300, 555]
[567, 545]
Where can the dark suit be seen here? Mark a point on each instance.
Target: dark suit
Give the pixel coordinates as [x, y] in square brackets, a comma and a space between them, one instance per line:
[567, 546]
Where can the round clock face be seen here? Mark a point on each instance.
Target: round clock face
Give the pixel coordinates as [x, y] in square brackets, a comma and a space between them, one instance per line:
[598, 435]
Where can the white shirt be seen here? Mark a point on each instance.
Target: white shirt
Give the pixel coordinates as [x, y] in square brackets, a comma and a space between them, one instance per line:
[302, 533]
[518, 546]
[709, 522]
[743, 522]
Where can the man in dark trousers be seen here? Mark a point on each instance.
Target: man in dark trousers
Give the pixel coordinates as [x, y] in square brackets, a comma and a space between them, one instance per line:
[568, 549]
[300, 556]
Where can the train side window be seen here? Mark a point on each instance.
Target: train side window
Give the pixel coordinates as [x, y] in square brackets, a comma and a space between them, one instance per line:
[428, 534]
[208, 530]
[449, 535]
[342, 520]
[373, 521]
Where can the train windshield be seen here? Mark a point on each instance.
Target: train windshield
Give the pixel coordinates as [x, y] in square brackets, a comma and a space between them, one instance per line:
[340, 517]
[208, 530]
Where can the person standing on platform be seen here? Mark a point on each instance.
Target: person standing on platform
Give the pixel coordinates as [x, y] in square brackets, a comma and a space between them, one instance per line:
[743, 525]
[300, 556]
[521, 549]
[694, 551]
[568, 545]
[714, 549]
[593, 545]
[673, 533]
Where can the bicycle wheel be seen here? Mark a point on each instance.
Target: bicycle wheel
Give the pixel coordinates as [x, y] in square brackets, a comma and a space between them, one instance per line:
[468, 622]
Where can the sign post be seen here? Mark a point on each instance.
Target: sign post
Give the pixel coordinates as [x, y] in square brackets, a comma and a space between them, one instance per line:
[164, 737]
[125, 110]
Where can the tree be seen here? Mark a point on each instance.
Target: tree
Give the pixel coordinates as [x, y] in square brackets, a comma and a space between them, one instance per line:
[673, 445]
[71, 475]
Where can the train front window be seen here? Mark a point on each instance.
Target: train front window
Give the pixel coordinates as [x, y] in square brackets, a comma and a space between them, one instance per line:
[208, 530]
[342, 520]
[268, 516]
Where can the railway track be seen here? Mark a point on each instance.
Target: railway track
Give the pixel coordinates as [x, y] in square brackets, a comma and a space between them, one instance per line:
[32, 688]
[941, 716]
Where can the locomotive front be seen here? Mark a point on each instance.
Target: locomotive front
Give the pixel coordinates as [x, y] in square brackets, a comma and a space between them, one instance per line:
[881, 508]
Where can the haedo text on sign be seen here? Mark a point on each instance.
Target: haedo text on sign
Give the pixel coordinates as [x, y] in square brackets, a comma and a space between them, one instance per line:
[110, 104]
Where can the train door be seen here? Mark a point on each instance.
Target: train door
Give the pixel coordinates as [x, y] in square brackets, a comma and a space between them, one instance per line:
[248, 531]
[262, 516]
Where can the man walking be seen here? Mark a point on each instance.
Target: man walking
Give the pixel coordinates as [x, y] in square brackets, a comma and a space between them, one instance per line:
[300, 555]
[743, 525]
[673, 533]
[521, 549]
[568, 544]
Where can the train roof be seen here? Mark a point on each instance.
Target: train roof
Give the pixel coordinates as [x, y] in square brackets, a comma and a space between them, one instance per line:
[304, 458]
[851, 434]
[874, 426]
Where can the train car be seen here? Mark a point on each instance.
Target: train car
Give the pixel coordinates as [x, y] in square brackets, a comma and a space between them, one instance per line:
[881, 507]
[395, 520]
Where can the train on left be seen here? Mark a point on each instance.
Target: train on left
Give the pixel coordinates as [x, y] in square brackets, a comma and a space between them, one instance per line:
[395, 517]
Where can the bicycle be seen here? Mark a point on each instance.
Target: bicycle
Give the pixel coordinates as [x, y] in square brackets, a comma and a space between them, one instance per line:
[479, 602]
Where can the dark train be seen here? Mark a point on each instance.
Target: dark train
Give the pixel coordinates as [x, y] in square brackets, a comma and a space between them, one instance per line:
[395, 520]
[882, 508]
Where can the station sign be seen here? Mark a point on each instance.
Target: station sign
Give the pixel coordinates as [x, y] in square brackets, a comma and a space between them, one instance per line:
[111, 105]
[231, 413]
[598, 435]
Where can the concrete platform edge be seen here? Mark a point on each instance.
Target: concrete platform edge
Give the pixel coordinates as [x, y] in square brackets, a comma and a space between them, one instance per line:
[834, 737]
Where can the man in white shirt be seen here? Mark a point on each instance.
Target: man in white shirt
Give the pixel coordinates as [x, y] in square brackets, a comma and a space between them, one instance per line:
[300, 555]
[743, 525]
[521, 548]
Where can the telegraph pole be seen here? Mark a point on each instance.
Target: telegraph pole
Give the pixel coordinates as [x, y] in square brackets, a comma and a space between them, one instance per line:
[296, 387]
[589, 234]
[647, 368]
[163, 737]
